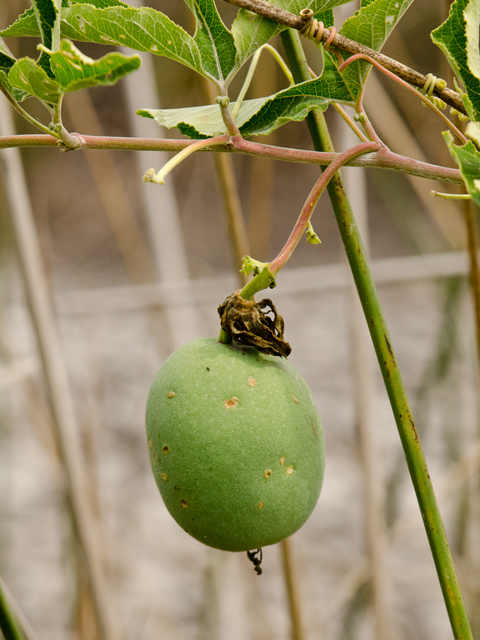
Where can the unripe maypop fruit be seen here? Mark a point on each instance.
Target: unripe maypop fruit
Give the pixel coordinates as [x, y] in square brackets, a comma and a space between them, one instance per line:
[236, 444]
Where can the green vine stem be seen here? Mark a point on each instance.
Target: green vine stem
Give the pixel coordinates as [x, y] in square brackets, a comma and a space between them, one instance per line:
[387, 361]
[8, 623]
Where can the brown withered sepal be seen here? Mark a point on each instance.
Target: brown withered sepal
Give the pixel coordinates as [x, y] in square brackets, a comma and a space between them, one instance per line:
[249, 324]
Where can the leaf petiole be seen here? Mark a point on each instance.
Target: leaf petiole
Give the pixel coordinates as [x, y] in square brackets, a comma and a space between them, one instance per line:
[251, 71]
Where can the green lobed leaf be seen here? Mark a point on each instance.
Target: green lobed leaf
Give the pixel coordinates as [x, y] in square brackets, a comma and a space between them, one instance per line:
[467, 158]
[251, 31]
[26, 24]
[458, 38]
[262, 115]
[73, 71]
[371, 25]
[214, 40]
[296, 102]
[31, 78]
[142, 29]
[16, 94]
[203, 121]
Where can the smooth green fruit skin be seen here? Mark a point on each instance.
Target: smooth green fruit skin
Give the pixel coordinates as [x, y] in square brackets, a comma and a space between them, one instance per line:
[236, 475]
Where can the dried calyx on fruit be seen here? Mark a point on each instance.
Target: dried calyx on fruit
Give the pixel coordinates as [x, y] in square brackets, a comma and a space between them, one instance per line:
[248, 324]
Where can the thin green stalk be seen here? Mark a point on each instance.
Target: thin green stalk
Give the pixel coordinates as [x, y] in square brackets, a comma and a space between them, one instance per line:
[388, 364]
[251, 71]
[8, 623]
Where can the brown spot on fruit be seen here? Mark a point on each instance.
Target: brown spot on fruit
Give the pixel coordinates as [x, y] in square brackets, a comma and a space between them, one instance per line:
[289, 471]
[165, 449]
[260, 505]
[251, 382]
[150, 444]
[184, 503]
[171, 394]
[164, 477]
[295, 399]
[268, 473]
[314, 429]
[282, 460]
[232, 402]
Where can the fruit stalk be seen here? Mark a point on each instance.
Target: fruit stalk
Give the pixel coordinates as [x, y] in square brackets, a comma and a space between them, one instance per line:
[387, 361]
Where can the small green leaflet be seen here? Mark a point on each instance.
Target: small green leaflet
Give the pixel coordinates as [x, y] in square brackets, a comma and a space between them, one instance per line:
[467, 158]
[260, 116]
[457, 37]
[73, 71]
[371, 26]
[250, 30]
[214, 41]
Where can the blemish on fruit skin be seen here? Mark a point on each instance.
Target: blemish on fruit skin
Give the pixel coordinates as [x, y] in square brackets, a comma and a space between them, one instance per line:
[251, 382]
[260, 505]
[165, 449]
[184, 503]
[268, 473]
[295, 399]
[231, 402]
[164, 477]
[282, 460]
[289, 471]
[171, 394]
[150, 444]
[208, 368]
[314, 429]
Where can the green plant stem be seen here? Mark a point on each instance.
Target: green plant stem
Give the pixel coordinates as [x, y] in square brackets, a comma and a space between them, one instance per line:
[387, 361]
[27, 116]
[9, 625]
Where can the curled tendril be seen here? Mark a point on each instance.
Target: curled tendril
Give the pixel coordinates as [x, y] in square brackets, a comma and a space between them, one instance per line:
[432, 83]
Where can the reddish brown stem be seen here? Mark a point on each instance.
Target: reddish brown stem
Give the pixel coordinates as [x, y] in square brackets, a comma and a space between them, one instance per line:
[384, 160]
[316, 192]
[424, 99]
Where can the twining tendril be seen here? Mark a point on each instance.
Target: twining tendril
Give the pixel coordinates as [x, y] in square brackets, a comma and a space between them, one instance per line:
[432, 83]
[313, 29]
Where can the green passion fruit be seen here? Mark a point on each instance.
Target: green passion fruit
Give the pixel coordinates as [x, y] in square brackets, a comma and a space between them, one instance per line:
[236, 444]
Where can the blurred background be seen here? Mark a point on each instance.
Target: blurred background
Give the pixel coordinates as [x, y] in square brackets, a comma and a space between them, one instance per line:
[132, 271]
